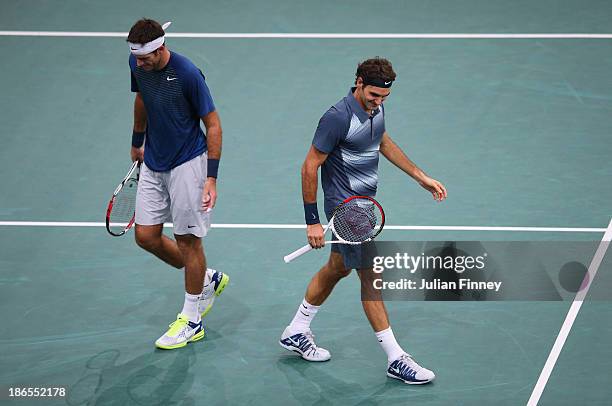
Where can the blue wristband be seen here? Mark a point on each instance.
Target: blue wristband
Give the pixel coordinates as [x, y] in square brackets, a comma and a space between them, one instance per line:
[212, 168]
[311, 213]
[138, 138]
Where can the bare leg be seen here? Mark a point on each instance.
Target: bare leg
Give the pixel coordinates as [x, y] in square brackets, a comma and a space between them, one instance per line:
[152, 239]
[372, 302]
[192, 253]
[324, 281]
[400, 365]
[319, 288]
[322, 284]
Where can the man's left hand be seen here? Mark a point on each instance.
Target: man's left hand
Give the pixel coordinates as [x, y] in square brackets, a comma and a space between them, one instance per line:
[436, 188]
[209, 194]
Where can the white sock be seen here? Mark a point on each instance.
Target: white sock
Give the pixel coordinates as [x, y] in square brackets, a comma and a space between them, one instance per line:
[303, 317]
[190, 307]
[389, 344]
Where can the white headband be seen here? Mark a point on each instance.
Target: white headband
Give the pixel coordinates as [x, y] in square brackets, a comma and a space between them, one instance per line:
[143, 49]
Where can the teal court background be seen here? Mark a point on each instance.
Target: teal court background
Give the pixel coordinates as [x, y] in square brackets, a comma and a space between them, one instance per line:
[518, 130]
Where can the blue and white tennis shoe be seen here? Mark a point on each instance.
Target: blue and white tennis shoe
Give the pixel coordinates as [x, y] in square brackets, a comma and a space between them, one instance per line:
[407, 370]
[304, 344]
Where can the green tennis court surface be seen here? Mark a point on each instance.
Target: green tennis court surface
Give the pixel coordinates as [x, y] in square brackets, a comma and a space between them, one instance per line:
[518, 131]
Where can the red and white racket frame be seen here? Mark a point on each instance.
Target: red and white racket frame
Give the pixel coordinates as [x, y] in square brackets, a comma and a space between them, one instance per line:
[135, 166]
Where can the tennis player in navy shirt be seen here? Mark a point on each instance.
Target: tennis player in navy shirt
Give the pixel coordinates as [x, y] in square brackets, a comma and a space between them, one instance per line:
[178, 178]
[346, 146]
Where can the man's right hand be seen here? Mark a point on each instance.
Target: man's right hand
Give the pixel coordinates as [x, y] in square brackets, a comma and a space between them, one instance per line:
[137, 154]
[315, 233]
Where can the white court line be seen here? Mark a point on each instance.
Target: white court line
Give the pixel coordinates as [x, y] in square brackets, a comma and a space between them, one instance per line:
[301, 226]
[267, 35]
[570, 318]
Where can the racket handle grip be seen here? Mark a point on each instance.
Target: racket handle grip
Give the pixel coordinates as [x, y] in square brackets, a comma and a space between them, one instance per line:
[297, 253]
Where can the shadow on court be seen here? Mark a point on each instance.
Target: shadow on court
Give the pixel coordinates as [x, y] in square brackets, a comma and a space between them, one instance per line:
[309, 383]
[156, 378]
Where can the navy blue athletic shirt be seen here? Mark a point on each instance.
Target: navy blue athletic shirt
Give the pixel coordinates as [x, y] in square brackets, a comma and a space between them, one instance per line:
[175, 98]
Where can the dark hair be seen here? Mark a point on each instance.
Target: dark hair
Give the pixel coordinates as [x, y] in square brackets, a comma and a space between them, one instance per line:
[377, 68]
[145, 30]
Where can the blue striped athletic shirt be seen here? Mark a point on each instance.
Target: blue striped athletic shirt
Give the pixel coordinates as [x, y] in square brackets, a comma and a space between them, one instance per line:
[175, 98]
[351, 138]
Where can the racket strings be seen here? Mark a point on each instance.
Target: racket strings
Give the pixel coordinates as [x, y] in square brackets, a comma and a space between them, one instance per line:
[357, 220]
[124, 204]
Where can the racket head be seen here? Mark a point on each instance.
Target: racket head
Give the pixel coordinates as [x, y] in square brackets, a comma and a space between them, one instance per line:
[357, 219]
[120, 213]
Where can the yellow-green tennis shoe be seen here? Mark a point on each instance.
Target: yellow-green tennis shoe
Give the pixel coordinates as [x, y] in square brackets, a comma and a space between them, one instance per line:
[218, 282]
[181, 332]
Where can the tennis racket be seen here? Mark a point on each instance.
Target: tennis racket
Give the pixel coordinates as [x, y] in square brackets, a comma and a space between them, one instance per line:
[356, 220]
[120, 213]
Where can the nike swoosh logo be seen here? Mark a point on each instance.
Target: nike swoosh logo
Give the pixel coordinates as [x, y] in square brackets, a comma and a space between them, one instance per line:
[313, 216]
[387, 83]
[191, 226]
[296, 343]
[170, 79]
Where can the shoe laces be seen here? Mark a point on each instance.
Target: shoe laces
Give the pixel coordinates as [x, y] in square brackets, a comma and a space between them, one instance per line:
[177, 325]
[207, 292]
[311, 346]
[409, 361]
[310, 337]
[407, 365]
[407, 358]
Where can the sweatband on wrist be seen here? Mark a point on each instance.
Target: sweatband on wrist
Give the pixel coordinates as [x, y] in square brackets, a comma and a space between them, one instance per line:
[212, 168]
[138, 138]
[311, 213]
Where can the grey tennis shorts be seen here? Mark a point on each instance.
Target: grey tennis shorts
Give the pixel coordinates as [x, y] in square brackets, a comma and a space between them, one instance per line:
[174, 195]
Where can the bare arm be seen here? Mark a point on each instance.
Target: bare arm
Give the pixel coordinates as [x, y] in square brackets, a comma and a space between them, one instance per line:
[310, 170]
[140, 114]
[214, 136]
[140, 125]
[396, 156]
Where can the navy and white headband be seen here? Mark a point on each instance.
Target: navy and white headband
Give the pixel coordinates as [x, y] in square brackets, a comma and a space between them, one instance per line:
[143, 49]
